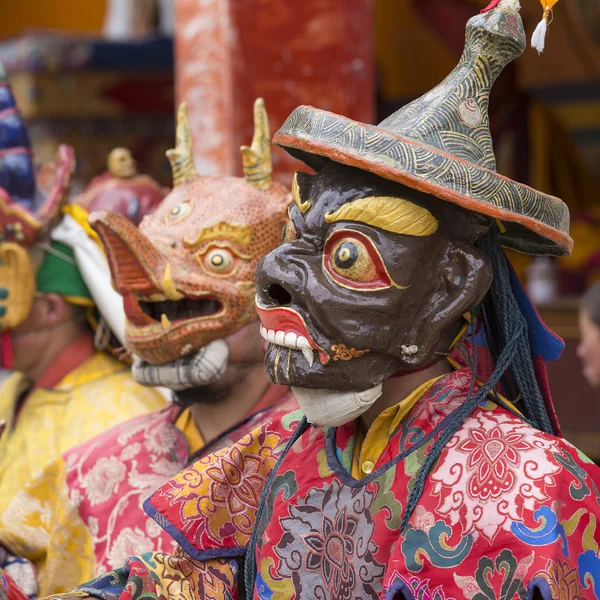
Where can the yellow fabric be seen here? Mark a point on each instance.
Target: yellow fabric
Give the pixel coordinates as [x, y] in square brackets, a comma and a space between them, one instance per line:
[98, 394]
[79, 214]
[79, 301]
[185, 424]
[42, 525]
[368, 449]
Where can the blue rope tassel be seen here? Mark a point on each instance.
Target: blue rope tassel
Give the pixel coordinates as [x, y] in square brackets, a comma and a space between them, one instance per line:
[502, 307]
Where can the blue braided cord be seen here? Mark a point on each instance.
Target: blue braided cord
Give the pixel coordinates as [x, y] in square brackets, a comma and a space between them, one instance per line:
[250, 569]
[502, 307]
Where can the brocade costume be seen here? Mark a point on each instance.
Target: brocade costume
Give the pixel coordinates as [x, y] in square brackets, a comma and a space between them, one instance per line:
[47, 248]
[96, 395]
[183, 301]
[507, 510]
[83, 516]
[471, 494]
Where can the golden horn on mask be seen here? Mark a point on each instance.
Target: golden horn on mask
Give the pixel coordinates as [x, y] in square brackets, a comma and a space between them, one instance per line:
[257, 157]
[182, 158]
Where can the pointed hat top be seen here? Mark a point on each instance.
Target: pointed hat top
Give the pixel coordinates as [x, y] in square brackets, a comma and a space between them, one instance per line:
[453, 116]
[441, 145]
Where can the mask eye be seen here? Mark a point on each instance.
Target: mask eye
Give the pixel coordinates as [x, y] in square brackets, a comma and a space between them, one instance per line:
[289, 232]
[219, 261]
[352, 260]
[179, 212]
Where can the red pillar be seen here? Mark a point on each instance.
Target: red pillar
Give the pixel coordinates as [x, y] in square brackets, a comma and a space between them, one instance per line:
[229, 52]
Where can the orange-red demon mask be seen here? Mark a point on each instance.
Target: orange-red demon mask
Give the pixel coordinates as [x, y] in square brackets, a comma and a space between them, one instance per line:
[187, 273]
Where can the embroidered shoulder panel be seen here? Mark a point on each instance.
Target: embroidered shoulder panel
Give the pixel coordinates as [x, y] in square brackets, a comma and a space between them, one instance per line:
[210, 507]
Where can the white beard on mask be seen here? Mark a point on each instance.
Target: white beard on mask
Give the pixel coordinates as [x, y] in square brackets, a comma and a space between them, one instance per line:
[330, 408]
[192, 371]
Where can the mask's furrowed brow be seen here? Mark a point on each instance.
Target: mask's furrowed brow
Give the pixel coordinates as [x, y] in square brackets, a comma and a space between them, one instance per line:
[395, 215]
[240, 234]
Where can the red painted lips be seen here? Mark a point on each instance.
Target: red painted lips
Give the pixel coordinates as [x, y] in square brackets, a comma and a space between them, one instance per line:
[286, 327]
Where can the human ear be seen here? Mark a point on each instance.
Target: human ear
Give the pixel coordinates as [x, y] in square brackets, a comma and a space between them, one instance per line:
[465, 276]
[55, 309]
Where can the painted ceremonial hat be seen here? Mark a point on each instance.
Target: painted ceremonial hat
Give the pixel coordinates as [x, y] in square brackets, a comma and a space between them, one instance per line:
[441, 144]
[30, 206]
[46, 244]
[122, 189]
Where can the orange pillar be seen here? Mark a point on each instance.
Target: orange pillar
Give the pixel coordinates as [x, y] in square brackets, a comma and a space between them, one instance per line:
[229, 52]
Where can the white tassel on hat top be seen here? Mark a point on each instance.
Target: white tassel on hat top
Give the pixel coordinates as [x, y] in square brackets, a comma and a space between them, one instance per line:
[538, 39]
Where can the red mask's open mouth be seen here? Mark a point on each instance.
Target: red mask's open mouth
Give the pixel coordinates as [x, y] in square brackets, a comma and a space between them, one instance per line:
[141, 313]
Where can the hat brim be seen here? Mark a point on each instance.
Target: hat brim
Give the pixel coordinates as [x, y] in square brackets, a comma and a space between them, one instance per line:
[535, 223]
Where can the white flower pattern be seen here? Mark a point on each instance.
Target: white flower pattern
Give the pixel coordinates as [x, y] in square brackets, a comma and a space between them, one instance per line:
[111, 481]
[93, 526]
[492, 470]
[129, 542]
[130, 451]
[103, 479]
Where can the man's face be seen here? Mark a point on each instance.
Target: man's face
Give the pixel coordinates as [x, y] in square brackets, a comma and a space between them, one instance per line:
[30, 340]
[362, 301]
[588, 349]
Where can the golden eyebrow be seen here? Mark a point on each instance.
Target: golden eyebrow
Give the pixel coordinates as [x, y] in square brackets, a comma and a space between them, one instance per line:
[241, 234]
[302, 206]
[395, 215]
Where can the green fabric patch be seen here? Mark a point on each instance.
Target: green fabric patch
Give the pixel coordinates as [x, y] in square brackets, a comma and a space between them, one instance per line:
[58, 275]
[477, 311]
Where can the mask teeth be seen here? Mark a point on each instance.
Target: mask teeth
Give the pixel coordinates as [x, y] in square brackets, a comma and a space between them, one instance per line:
[309, 356]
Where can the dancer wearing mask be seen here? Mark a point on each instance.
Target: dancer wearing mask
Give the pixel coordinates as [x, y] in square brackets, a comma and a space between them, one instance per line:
[59, 316]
